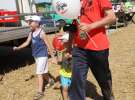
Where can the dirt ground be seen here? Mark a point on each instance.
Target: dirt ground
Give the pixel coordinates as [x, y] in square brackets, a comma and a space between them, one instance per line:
[19, 82]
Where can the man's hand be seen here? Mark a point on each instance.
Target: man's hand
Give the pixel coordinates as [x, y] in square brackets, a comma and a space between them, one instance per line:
[85, 27]
[16, 48]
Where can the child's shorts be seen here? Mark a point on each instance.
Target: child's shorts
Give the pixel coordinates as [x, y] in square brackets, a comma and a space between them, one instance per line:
[65, 81]
[41, 65]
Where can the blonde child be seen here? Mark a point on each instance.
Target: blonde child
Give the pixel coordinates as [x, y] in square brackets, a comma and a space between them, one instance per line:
[65, 70]
[65, 74]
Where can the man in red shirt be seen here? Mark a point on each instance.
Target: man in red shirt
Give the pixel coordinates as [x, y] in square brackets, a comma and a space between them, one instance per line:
[91, 49]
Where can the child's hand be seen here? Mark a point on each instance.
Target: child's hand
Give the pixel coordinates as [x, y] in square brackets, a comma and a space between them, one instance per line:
[51, 52]
[53, 60]
[68, 55]
[15, 48]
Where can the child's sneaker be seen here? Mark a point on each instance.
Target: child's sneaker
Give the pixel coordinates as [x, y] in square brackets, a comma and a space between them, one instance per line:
[38, 96]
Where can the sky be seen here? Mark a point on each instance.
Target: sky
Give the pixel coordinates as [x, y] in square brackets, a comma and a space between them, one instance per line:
[8, 4]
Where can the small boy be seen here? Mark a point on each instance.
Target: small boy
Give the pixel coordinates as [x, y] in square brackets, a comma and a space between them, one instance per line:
[40, 48]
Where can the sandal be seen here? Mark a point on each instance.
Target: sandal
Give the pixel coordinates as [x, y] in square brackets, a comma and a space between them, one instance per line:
[38, 96]
[51, 83]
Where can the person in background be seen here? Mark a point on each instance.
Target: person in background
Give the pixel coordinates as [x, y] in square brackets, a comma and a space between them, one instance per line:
[40, 48]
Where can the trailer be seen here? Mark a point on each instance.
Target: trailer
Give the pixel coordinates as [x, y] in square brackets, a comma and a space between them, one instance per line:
[20, 32]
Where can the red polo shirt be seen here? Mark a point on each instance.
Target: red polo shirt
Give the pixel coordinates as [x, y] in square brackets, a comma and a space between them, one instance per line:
[92, 12]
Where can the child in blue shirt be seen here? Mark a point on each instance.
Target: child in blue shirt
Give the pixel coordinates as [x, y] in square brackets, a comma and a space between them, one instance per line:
[40, 47]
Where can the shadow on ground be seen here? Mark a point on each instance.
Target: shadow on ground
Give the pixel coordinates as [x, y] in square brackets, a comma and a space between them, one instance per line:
[11, 60]
[91, 91]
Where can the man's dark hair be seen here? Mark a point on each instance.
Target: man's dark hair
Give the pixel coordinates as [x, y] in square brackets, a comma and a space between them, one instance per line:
[70, 28]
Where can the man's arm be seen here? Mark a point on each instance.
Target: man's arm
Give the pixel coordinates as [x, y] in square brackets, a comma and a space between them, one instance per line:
[108, 19]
